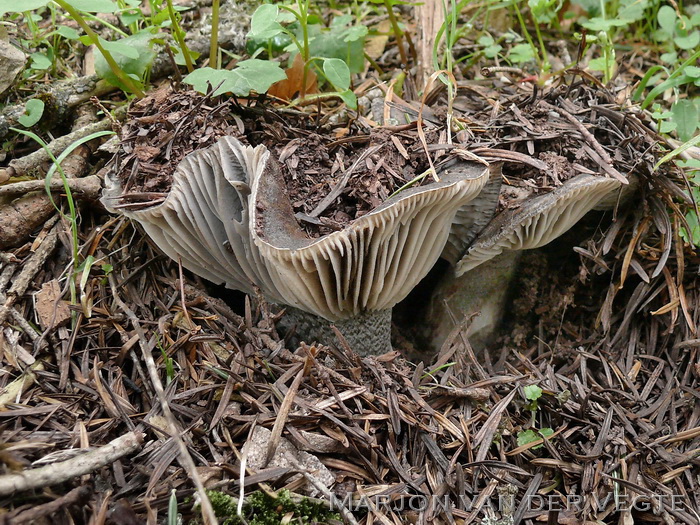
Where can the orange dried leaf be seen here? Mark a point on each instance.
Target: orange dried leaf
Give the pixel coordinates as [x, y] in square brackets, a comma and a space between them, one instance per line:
[290, 87]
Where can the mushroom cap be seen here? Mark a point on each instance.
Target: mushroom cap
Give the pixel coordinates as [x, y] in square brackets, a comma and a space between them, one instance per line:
[472, 217]
[204, 220]
[373, 262]
[538, 220]
[228, 218]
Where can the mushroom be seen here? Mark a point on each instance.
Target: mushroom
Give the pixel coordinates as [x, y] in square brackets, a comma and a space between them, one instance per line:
[229, 219]
[538, 220]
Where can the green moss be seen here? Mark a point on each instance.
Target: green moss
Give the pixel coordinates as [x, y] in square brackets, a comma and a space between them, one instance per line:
[263, 509]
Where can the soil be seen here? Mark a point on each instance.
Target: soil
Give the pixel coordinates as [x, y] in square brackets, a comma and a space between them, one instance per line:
[314, 166]
[160, 130]
[168, 125]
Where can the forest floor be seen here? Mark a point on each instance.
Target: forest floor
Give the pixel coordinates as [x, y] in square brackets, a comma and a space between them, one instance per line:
[128, 384]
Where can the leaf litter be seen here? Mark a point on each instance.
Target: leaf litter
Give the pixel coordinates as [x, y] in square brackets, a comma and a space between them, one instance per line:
[430, 441]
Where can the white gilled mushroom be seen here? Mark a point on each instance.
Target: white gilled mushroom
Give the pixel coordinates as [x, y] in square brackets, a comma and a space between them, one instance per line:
[229, 219]
[539, 220]
[204, 220]
[480, 281]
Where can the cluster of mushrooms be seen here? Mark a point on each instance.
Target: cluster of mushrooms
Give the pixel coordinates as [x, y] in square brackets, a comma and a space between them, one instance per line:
[228, 218]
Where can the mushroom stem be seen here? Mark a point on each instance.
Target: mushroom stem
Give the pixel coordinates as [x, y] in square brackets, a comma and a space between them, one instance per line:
[368, 333]
[483, 291]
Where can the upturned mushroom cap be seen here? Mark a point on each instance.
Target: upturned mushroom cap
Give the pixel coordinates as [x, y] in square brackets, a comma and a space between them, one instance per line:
[372, 263]
[472, 217]
[538, 220]
[204, 221]
[229, 219]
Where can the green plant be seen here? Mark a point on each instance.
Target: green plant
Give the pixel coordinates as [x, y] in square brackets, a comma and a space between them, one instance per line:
[336, 51]
[532, 394]
[262, 508]
[173, 517]
[72, 218]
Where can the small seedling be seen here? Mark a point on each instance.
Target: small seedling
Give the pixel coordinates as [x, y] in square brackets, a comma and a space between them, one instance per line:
[532, 394]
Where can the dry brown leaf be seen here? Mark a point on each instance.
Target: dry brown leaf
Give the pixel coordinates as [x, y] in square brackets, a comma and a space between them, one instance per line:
[50, 308]
[290, 87]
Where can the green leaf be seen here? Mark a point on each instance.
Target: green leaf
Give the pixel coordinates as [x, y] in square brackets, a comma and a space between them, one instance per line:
[331, 44]
[95, 6]
[67, 32]
[530, 436]
[680, 149]
[134, 62]
[341, 21]
[632, 10]
[355, 33]
[688, 42]
[543, 10]
[261, 74]
[33, 110]
[685, 116]
[603, 24]
[263, 23]
[667, 19]
[337, 73]
[18, 6]
[532, 392]
[180, 58]
[40, 61]
[349, 98]
[250, 75]
[692, 237]
[526, 437]
[521, 53]
[120, 47]
[692, 71]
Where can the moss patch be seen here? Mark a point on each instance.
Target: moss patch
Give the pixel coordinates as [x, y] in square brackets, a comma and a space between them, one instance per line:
[261, 508]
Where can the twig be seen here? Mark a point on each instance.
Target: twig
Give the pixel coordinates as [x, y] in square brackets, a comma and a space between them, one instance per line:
[591, 140]
[185, 457]
[59, 99]
[89, 187]
[74, 497]
[340, 186]
[334, 502]
[29, 162]
[23, 216]
[29, 270]
[56, 473]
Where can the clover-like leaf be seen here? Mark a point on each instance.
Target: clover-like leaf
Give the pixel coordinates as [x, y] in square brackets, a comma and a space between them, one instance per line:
[33, 110]
[337, 73]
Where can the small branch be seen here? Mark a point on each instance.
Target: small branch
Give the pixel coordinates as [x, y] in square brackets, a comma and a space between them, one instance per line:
[29, 270]
[27, 163]
[59, 99]
[56, 473]
[21, 217]
[33, 515]
[89, 187]
[590, 139]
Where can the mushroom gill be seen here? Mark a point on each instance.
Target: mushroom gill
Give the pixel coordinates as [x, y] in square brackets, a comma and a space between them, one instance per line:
[229, 219]
[482, 276]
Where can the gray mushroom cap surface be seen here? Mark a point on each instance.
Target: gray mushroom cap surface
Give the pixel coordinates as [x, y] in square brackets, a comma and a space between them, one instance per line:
[538, 220]
[228, 218]
[482, 277]
[204, 220]
[373, 262]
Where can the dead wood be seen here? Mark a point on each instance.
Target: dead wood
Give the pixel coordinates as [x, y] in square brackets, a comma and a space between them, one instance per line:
[88, 187]
[76, 496]
[56, 473]
[59, 99]
[23, 216]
